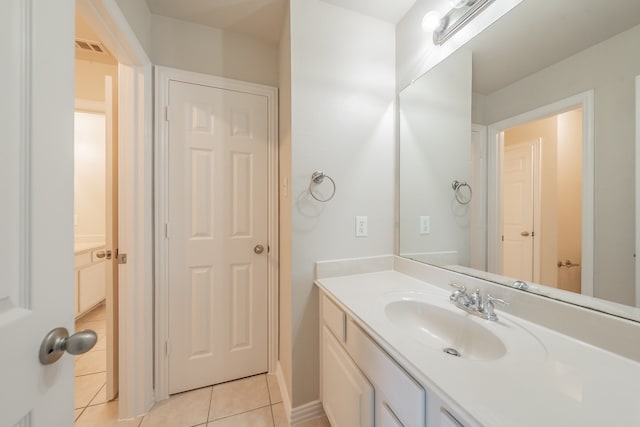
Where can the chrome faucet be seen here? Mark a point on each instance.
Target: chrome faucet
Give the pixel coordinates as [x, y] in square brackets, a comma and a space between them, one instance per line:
[475, 304]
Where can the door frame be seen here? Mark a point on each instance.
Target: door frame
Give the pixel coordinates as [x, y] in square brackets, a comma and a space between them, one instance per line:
[135, 203]
[584, 100]
[163, 76]
[637, 254]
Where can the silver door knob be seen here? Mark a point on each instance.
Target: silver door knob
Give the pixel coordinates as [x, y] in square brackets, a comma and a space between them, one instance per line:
[58, 341]
[524, 234]
[258, 249]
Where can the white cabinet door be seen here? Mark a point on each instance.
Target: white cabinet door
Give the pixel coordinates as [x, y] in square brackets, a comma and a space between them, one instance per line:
[347, 395]
[385, 416]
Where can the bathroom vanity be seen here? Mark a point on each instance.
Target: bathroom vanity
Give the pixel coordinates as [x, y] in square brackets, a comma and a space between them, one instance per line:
[396, 352]
[90, 276]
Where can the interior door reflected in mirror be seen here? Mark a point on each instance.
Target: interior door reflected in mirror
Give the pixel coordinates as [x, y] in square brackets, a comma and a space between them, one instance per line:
[542, 201]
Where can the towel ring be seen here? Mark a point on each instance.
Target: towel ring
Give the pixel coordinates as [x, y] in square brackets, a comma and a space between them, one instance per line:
[457, 189]
[317, 178]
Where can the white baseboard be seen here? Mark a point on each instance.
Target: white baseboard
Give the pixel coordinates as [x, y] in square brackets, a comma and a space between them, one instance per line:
[306, 412]
[284, 391]
[299, 414]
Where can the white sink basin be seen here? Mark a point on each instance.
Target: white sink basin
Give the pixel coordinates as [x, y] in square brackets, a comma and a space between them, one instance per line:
[444, 329]
[432, 320]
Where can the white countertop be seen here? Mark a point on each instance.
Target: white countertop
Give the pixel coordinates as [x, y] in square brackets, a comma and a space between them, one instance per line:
[83, 247]
[563, 382]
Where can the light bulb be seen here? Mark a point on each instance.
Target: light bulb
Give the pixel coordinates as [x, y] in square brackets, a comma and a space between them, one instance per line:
[431, 21]
[457, 4]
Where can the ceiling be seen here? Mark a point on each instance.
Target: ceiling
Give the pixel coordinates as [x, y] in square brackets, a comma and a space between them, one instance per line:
[539, 33]
[263, 19]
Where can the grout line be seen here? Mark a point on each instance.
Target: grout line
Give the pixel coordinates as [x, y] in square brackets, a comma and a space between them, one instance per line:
[79, 415]
[273, 418]
[210, 404]
[268, 389]
[240, 413]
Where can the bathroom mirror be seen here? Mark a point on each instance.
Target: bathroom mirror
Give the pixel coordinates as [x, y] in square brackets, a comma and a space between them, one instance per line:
[556, 82]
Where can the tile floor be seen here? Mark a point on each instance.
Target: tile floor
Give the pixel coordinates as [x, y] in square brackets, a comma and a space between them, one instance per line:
[248, 402]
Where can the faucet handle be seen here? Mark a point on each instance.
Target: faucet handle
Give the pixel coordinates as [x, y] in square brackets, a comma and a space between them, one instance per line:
[489, 306]
[461, 288]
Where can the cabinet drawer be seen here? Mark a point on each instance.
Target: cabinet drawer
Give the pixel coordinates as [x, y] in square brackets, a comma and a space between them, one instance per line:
[394, 387]
[91, 286]
[334, 318]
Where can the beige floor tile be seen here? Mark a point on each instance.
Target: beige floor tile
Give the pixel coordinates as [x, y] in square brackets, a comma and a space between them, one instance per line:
[274, 389]
[105, 415]
[317, 422]
[101, 344]
[239, 396]
[181, 410]
[87, 386]
[101, 397]
[257, 418]
[78, 412]
[98, 313]
[91, 363]
[99, 327]
[279, 415]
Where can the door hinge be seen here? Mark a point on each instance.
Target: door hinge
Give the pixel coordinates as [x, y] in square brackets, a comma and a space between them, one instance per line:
[166, 231]
[533, 234]
[503, 238]
[166, 113]
[166, 348]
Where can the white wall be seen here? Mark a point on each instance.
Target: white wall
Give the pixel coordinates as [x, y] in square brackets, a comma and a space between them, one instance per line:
[608, 68]
[139, 19]
[213, 51]
[435, 129]
[342, 94]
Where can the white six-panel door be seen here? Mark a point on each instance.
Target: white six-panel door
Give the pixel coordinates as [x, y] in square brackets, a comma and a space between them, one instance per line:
[217, 227]
[518, 210]
[36, 212]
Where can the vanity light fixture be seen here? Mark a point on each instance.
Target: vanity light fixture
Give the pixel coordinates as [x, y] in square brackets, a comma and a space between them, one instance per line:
[445, 26]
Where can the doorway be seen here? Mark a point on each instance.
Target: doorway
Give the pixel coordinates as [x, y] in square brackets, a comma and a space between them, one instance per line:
[218, 216]
[95, 218]
[541, 196]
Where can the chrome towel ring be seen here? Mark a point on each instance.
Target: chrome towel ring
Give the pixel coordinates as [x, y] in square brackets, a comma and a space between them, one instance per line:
[461, 197]
[317, 178]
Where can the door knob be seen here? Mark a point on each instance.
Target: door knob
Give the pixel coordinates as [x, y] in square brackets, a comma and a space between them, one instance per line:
[58, 341]
[524, 233]
[258, 249]
[103, 254]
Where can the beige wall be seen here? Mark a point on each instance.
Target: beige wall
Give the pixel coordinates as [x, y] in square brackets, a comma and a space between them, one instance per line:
[285, 347]
[207, 50]
[89, 82]
[89, 177]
